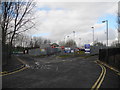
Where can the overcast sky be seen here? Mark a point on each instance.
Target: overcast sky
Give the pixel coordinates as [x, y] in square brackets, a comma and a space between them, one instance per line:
[57, 20]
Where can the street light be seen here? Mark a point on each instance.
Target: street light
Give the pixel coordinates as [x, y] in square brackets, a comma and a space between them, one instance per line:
[80, 39]
[93, 34]
[106, 29]
[74, 35]
[68, 41]
[68, 37]
[107, 38]
[64, 38]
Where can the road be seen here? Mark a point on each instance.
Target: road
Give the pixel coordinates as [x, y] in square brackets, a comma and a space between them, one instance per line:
[55, 72]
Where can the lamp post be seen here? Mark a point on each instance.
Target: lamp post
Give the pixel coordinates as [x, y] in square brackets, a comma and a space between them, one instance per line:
[74, 34]
[64, 39]
[68, 41]
[68, 36]
[106, 29]
[93, 34]
[80, 39]
[107, 55]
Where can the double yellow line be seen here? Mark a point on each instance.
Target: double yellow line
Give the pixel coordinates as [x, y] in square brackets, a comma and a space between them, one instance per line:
[14, 71]
[99, 81]
[22, 68]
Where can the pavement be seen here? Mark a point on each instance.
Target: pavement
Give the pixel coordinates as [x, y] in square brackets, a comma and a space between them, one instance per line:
[54, 72]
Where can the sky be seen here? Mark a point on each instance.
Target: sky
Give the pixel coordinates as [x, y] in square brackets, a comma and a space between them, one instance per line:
[57, 20]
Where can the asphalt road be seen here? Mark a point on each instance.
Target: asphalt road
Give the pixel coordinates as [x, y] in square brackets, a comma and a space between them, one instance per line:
[55, 72]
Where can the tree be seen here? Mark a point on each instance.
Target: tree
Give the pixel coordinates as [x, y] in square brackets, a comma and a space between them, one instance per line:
[31, 44]
[37, 42]
[46, 41]
[62, 43]
[98, 44]
[115, 44]
[21, 40]
[15, 19]
[70, 43]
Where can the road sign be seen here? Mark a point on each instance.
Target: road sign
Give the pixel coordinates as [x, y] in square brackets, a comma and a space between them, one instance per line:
[87, 48]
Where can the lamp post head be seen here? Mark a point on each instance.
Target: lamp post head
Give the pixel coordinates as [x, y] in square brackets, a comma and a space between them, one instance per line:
[103, 21]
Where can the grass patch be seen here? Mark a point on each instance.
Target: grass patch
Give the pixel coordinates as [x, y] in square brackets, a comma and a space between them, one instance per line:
[66, 55]
[78, 53]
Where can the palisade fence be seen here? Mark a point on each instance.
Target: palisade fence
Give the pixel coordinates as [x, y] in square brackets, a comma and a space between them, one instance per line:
[95, 49]
[110, 56]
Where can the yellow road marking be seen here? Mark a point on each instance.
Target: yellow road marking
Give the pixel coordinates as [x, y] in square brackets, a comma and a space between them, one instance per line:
[14, 71]
[97, 79]
[118, 74]
[110, 67]
[100, 79]
[17, 68]
[7, 72]
[3, 72]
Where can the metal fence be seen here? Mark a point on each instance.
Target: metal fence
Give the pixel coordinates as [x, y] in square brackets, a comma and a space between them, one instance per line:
[95, 49]
[44, 51]
[111, 56]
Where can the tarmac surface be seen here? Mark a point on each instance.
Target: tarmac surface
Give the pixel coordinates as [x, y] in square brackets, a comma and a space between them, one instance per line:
[56, 72]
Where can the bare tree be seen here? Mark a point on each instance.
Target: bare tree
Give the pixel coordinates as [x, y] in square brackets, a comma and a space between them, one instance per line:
[16, 18]
[35, 40]
[98, 44]
[62, 43]
[38, 41]
[46, 41]
[31, 45]
[70, 43]
[21, 40]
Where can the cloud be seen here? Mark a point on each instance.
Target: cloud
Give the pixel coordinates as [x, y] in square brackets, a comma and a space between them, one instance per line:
[61, 19]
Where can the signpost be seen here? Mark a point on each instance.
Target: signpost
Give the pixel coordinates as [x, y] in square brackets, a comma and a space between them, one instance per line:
[87, 48]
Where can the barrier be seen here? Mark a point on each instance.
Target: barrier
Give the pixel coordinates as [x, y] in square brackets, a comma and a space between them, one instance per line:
[110, 56]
